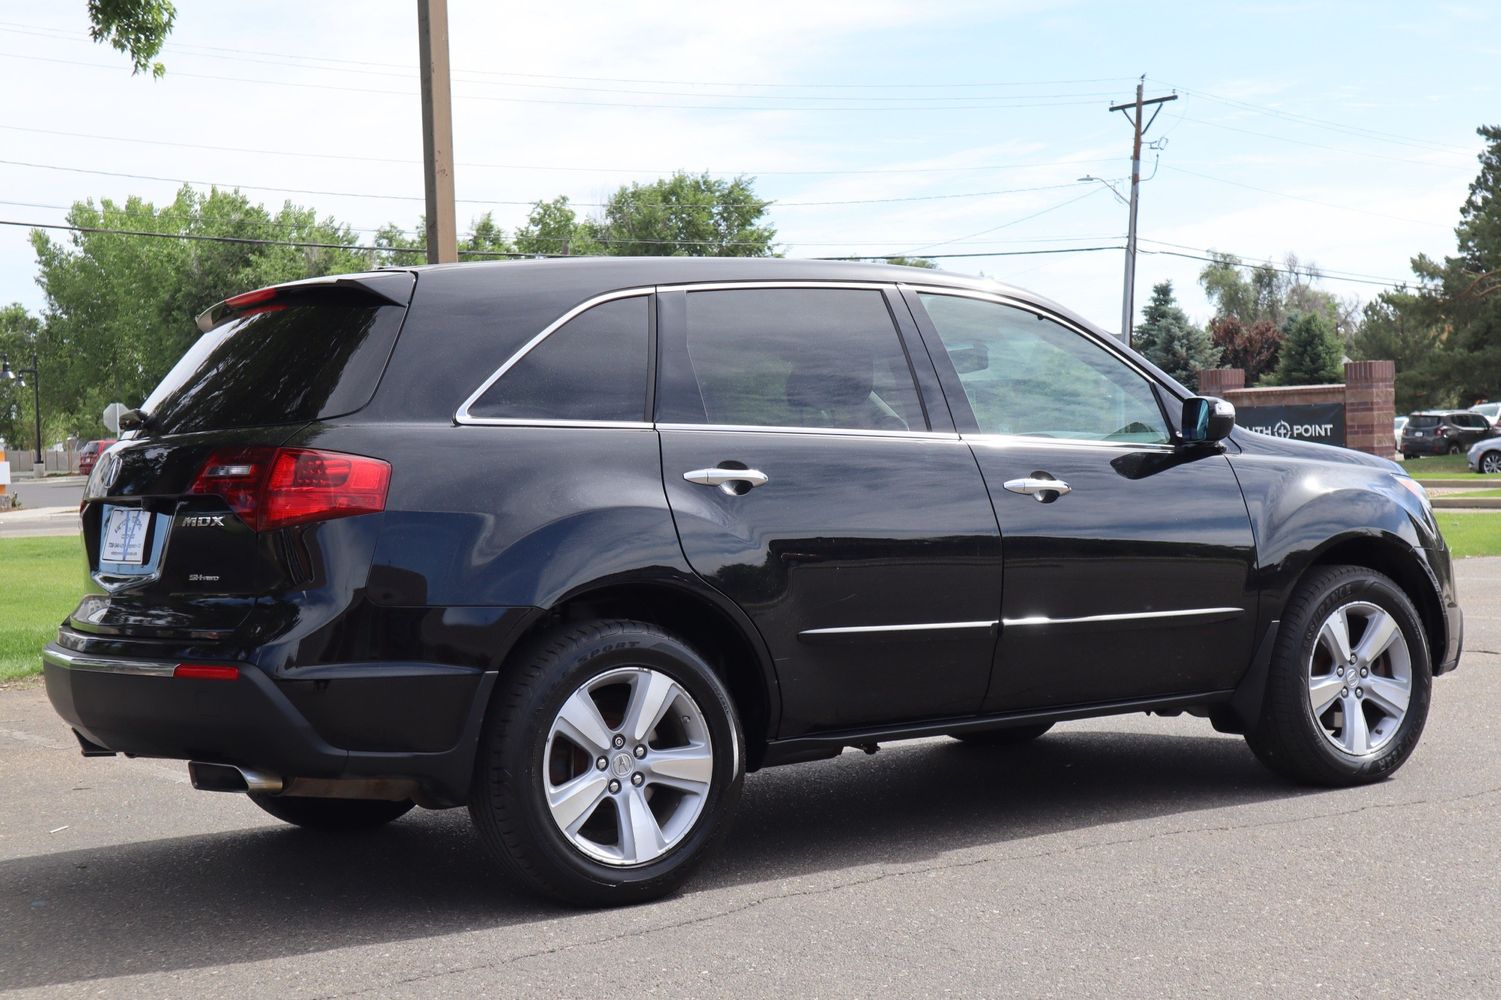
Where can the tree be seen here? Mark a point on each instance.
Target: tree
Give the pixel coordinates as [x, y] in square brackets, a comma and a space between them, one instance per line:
[1311, 353]
[686, 215]
[120, 306]
[1251, 347]
[922, 262]
[1170, 341]
[553, 229]
[18, 336]
[1395, 327]
[135, 27]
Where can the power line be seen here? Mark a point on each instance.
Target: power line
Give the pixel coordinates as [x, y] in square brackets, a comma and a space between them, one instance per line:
[1315, 145]
[60, 34]
[1322, 272]
[958, 239]
[998, 253]
[633, 105]
[1254, 263]
[1310, 201]
[549, 167]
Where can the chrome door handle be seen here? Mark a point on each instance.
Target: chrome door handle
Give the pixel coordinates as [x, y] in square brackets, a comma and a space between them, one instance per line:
[732, 481]
[1045, 490]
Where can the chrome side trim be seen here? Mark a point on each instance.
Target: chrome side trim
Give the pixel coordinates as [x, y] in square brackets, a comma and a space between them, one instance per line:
[461, 416]
[826, 431]
[920, 627]
[139, 668]
[634, 425]
[1133, 616]
[1024, 440]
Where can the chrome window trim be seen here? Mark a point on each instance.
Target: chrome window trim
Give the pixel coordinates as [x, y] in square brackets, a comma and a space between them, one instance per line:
[1023, 440]
[1132, 616]
[462, 415]
[916, 627]
[825, 431]
[139, 668]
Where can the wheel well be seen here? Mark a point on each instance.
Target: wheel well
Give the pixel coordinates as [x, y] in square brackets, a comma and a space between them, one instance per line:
[709, 630]
[1393, 559]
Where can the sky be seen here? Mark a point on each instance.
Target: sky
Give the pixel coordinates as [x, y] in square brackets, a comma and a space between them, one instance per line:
[1343, 133]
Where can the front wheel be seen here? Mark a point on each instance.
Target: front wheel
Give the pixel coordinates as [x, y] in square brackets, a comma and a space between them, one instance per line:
[1491, 462]
[1349, 683]
[610, 763]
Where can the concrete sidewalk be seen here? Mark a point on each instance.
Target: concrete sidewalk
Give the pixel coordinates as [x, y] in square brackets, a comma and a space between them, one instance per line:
[34, 522]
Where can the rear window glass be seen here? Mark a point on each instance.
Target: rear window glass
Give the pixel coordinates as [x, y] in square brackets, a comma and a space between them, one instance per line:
[1421, 421]
[591, 368]
[288, 364]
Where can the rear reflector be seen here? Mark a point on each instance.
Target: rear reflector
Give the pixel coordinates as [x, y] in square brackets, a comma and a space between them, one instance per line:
[206, 672]
[278, 487]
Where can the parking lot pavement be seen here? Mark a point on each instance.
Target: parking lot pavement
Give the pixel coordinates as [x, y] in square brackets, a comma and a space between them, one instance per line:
[1123, 857]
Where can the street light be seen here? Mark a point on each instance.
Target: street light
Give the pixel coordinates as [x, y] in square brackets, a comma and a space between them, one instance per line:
[7, 372]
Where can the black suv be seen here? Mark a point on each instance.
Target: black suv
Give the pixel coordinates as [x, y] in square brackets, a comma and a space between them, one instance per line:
[1442, 432]
[577, 544]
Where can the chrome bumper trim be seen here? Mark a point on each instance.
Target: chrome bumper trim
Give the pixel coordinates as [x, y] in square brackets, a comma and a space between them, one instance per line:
[75, 661]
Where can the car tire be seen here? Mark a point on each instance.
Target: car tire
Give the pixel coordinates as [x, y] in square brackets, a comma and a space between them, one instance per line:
[642, 701]
[1302, 732]
[332, 815]
[1491, 462]
[1012, 736]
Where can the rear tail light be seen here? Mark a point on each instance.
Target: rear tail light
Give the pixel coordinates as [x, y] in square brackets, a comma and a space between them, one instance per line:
[206, 672]
[277, 487]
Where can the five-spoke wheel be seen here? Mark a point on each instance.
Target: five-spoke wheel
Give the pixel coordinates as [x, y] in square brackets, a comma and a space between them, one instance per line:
[610, 761]
[1348, 684]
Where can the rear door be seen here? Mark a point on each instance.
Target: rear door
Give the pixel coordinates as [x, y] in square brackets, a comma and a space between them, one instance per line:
[1133, 577]
[809, 486]
[165, 561]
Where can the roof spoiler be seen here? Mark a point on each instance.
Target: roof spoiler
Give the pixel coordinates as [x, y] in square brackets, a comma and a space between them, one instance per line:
[377, 288]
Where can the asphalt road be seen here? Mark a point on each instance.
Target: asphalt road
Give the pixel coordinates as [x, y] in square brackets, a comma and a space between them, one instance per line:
[1118, 858]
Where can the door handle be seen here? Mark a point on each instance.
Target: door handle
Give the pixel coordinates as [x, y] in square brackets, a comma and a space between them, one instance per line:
[735, 482]
[1043, 488]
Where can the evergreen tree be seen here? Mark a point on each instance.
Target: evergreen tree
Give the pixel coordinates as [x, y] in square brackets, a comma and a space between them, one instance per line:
[1310, 352]
[1170, 341]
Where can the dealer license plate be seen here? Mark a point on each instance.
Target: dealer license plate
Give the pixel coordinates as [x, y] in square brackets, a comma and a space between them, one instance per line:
[125, 536]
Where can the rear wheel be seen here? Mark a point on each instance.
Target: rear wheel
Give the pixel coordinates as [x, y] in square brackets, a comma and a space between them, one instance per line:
[1348, 687]
[609, 766]
[1454, 448]
[342, 815]
[1010, 737]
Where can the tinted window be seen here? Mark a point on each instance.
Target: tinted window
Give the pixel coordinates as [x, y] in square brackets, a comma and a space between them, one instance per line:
[1027, 375]
[591, 368]
[287, 364]
[1422, 421]
[792, 357]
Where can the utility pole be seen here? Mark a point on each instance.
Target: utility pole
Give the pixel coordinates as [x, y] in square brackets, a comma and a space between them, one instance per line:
[437, 131]
[1128, 296]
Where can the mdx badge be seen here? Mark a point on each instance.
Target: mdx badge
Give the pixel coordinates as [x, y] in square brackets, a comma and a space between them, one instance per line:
[204, 521]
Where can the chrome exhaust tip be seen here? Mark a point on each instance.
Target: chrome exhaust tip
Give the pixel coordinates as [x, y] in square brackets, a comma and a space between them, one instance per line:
[229, 778]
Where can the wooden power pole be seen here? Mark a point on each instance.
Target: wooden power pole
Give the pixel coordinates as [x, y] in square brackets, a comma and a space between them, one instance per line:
[1128, 296]
[437, 131]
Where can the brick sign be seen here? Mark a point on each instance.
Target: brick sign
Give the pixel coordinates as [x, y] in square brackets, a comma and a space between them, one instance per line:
[1323, 423]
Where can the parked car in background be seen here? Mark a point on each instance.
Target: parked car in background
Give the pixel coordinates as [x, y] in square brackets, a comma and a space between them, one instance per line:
[1397, 424]
[1442, 432]
[1490, 411]
[90, 452]
[1485, 455]
[576, 544]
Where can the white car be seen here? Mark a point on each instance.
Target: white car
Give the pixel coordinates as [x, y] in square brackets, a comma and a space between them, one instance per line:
[1485, 455]
[1490, 411]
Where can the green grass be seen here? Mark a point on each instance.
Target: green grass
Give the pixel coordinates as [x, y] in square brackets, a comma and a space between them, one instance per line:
[1476, 493]
[41, 580]
[1442, 467]
[1477, 534]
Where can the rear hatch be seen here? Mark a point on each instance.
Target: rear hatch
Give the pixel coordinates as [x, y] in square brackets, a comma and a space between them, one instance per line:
[178, 541]
[1422, 425]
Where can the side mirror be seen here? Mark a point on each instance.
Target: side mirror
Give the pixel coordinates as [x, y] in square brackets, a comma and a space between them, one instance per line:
[1206, 419]
[974, 358]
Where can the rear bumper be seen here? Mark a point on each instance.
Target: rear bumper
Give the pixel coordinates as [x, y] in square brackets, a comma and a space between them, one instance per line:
[1425, 446]
[136, 707]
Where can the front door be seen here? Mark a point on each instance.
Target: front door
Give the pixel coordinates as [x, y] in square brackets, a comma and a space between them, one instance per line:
[1128, 562]
[808, 487]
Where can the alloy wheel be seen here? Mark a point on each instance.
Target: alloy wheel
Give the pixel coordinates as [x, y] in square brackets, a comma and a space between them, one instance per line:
[1491, 462]
[628, 766]
[1360, 678]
